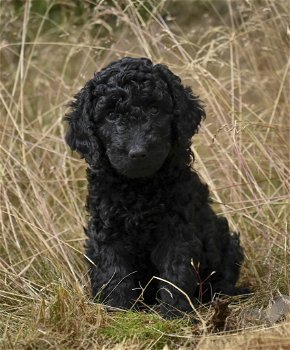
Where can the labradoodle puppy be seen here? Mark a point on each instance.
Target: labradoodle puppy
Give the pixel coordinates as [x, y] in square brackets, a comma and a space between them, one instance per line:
[150, 213]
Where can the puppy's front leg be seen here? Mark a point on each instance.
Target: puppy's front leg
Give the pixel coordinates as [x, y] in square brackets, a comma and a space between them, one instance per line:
[173, 261]
[111, 275]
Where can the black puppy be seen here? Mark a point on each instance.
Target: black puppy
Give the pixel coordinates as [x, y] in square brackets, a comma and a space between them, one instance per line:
[149, 211]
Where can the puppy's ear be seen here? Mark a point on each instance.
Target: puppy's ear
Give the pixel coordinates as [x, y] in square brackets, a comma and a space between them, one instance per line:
[81, 134]
[188, 110]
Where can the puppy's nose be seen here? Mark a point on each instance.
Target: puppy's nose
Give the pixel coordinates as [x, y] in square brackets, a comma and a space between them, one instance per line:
[137, 153]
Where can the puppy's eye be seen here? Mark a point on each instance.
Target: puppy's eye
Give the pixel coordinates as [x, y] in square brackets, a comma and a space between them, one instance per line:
[153, 110]
[111, 117]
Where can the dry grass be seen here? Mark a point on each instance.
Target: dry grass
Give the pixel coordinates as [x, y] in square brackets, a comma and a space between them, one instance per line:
[235, 55]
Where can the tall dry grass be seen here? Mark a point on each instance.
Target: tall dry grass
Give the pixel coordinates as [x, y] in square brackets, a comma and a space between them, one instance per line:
[235, 55]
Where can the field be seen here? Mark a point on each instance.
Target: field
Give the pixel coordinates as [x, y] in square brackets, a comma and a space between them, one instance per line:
[235, 56]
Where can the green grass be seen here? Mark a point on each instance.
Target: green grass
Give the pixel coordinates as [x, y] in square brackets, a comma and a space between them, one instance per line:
[235, 55]
[149, 329]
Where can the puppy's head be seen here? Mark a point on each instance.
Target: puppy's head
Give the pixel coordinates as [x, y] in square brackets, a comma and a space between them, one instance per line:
[134, 113]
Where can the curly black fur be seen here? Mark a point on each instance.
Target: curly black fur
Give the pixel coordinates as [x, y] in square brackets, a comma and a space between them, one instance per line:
[149, 211]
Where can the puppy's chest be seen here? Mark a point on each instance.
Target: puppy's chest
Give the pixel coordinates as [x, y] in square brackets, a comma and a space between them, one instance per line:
[141, 223]
[135, 218]
[141, 215]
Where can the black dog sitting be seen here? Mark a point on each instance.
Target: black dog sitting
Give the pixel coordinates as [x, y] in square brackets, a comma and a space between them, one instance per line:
[149, 211]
